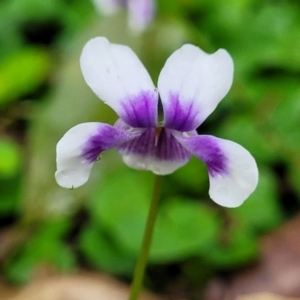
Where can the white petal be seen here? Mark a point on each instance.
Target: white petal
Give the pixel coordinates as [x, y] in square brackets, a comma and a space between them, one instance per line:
[138, 162]
[191, 84]
[140, 14]
[232, 190]
[117, 76]
[79, 148]
[233, 172]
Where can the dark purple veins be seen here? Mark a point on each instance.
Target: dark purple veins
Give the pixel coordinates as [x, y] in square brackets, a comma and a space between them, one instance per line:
[212, 154]
[158, 143]
[104, 138]
[140, 111]
[180, 116]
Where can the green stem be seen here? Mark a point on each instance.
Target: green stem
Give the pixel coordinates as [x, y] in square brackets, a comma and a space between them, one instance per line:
[143, 256]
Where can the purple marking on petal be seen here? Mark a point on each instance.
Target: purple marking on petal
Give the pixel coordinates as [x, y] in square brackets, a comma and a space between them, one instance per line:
[180, 115]
[158, 143]
[105, 138]
[207, 148]
[214, 157]
[141, 110]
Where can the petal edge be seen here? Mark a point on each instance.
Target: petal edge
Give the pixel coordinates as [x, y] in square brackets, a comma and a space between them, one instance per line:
[78, 149]
[193, 82]
[117, 76]
[233, 173]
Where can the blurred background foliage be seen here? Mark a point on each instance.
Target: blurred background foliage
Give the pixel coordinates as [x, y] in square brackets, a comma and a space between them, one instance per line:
[99, 226]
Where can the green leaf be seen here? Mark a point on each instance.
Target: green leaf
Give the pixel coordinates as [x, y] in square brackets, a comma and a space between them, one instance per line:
[294, 174]
[121, 204]
[45, 246]
[10, 158]
[241, 129]
[10, 195]
[192, 178]
[20, 269]
[34, 8]
[184, 228]
[10, 177]
[101, 250]
[262, 211]
[22, 72]
[285, 118]
[236, 246]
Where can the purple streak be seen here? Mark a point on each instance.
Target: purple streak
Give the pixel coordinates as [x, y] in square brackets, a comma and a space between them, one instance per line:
[140, 111]
[208, 149]
[104, 138]
[180, 115]
[158, 143]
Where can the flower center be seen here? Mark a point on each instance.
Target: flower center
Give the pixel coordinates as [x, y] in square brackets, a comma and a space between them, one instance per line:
[157, 132]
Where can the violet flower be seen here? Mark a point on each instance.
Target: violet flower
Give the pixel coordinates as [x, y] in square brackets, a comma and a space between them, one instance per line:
[190, 86]
[140, 12]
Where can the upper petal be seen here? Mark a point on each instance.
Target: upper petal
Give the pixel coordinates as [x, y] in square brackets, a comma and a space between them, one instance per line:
[80, 147]
[233, 172]
[140, 13]
[117, 76]
[191, 84]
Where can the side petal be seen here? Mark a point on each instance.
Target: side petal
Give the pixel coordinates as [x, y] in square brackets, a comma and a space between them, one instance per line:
[117, 76]
[233, 173]
[80, 147]
[140, 14]
[156, 150]
[191, 84]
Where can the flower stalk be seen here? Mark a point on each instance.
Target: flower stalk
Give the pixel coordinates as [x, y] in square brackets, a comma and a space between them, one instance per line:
[139, 271]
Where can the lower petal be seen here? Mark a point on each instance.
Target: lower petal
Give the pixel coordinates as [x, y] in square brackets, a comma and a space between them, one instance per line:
[233, 172]
[80, 147]
[156, 150]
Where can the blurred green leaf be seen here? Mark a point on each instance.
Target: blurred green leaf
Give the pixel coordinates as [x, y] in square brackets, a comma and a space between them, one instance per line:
[192, 178]
[10, 158]
[236, 246]
[262, 210]
[34, 8]
[20, 269]
[46, 247]
[285, 118]
[10, 177]
[101, 251]
[10, 195]
[294, 175]
[121, 204]
[184, 228]
[243, 130]
[22, 72]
